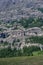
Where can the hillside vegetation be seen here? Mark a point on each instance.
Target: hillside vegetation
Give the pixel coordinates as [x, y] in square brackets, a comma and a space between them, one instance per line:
[26, 51]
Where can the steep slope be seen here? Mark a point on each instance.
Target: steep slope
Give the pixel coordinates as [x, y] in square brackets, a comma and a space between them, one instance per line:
[15, 9]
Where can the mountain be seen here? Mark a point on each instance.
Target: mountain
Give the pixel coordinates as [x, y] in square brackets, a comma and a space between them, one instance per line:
[16, 9]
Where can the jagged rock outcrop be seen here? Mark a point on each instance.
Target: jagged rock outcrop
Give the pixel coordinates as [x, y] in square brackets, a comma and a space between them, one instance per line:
[16, 9]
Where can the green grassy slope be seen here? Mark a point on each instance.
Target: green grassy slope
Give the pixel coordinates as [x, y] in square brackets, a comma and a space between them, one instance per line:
[38, 53]
[38, 60]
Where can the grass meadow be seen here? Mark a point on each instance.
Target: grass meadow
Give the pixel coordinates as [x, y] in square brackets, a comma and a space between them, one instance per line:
[28, 60]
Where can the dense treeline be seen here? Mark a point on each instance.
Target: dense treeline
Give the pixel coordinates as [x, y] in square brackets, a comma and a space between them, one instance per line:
[31, 22]
[36, 39]
[26, 51]
[26, 23]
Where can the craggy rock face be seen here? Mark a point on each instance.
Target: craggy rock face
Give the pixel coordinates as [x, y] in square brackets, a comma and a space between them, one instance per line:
[15, 9]
[4, 3]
